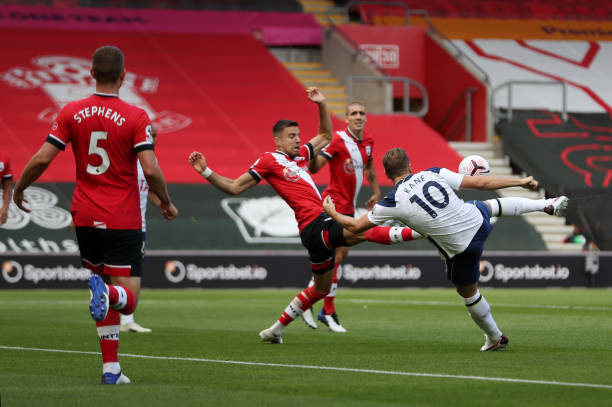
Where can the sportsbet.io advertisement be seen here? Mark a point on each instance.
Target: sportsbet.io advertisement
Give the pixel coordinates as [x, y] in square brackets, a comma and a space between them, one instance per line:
[255, 269]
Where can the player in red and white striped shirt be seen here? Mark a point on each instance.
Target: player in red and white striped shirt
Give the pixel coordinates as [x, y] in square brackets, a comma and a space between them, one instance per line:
[350, 158]
[108, 136]
[286, 170]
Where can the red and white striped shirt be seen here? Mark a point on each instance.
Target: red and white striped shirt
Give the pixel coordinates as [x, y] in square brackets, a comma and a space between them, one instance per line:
[347, 157]
[291, 180]
[6, 173]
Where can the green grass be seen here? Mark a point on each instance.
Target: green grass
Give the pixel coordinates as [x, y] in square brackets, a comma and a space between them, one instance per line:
[413, 331]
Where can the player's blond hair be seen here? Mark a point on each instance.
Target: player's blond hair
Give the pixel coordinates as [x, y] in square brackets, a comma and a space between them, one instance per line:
[396, 162]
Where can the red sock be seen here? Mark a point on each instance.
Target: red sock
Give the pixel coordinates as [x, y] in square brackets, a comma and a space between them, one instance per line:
[121, 299]
[389, 234]
[108, 333]
[299, 304]
[328, 301]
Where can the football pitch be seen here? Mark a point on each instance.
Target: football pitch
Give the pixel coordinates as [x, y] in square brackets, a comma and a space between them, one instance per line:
[415, 347]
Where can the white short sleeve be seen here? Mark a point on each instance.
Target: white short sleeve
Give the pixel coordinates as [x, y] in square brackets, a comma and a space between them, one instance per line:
[380, 214]
[454, 179]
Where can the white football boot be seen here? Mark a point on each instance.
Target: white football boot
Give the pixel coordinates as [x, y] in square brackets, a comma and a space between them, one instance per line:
[331, 321]
[309, 319]
[268, 336]
[557, 206]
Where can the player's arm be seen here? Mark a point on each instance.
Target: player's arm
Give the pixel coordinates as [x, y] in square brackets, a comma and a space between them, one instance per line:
[317, 163]
[370, 173]
[7, 188]
[154, 199]
[325, 133]
[157, 183]
[349, 223]
[32, 171]
[491, 183]
[227, 185]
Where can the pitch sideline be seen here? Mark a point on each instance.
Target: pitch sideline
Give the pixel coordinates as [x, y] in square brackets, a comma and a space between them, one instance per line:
[329, 368]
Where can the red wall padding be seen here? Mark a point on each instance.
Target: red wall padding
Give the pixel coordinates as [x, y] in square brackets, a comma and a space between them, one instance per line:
[230, 88]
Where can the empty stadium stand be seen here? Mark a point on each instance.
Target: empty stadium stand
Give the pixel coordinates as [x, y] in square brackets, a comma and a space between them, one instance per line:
[521, 9]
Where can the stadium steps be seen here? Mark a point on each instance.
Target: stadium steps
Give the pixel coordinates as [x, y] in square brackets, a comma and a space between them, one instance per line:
[314, 74]
[320, 9]
[552, 229]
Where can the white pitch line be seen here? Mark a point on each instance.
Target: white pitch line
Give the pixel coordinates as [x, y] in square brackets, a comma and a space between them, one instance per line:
[355, 301]
[329, 368]
[495, 304]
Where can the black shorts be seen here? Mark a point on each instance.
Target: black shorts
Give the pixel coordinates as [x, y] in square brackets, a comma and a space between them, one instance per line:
[321, 237]
[111, 251]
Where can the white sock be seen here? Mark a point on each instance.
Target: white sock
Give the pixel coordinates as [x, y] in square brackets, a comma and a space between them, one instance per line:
[514, 206]
[127, 319]
[480, 311]
[112, 367]
[332, 291]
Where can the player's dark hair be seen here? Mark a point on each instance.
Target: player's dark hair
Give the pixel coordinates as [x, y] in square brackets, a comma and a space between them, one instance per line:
[282, 125]
[107, 64]
[396, 162]
[353, 103]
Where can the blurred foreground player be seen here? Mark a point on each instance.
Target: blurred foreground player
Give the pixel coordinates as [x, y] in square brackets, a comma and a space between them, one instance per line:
[426, 202]
[107, 136]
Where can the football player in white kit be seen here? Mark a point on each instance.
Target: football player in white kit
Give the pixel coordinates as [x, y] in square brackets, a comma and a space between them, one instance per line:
[426, 202]
[127, 321]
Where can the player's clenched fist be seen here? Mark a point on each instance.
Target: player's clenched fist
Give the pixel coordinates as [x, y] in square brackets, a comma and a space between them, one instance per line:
[197, 161]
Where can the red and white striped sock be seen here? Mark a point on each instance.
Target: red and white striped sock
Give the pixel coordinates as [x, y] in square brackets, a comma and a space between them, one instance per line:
[390, 234]
[299, 304]
[121, 299]
[108, 333]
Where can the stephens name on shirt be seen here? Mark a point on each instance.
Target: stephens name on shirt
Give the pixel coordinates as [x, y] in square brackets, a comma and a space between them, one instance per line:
[102, 111]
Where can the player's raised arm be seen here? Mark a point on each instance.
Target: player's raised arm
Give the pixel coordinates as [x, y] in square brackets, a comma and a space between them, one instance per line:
[317, 163]
[227, 185]
[325, 132]
[492, 183]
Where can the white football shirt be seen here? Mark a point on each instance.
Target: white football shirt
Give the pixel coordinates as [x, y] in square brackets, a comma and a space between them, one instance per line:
[426, 202]
[143, 190]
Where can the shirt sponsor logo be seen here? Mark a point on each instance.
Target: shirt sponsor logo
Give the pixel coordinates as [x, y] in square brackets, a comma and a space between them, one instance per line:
[291, 175]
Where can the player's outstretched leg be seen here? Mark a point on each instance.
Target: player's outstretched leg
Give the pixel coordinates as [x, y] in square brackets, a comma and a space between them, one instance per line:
[514, 206]
[296, 307]
[129, 325]
[390, 234]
